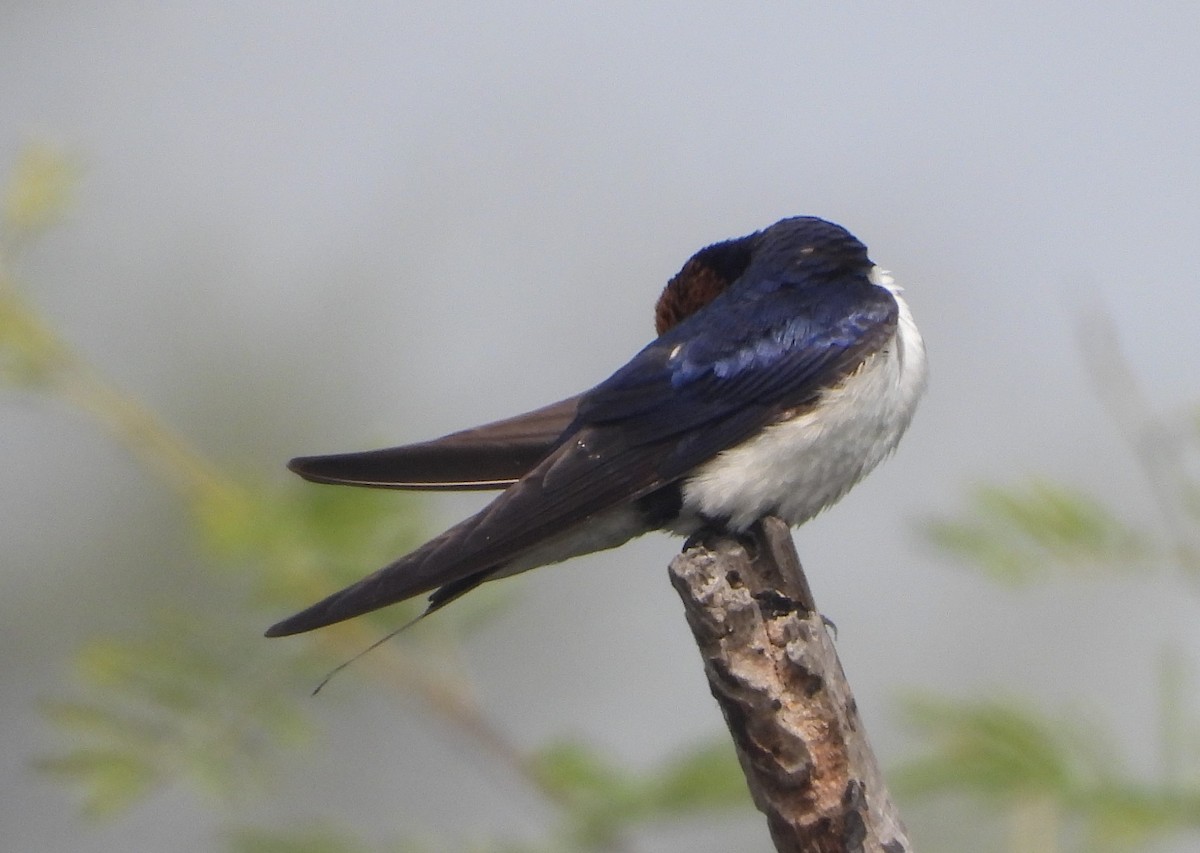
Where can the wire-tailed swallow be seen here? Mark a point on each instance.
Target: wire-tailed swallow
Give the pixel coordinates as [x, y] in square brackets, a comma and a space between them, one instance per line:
[786, 367]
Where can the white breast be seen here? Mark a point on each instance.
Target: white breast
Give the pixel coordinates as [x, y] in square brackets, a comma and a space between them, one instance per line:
[796, 468]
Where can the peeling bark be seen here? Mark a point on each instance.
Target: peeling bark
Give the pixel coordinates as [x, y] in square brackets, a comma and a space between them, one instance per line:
[773, 669]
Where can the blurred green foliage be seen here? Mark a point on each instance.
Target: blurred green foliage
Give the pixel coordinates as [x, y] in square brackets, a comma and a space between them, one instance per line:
[166, 707]
[185, 699]
[604, 801]
[39, 192]
[1014, 759]
[1056, 782]
[1020, 534]
[182, 699]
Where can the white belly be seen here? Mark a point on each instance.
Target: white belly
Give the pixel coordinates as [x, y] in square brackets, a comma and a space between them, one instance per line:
[796, 468]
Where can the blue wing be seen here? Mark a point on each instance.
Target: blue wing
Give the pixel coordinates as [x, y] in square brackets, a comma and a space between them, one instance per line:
[760, 349]
[742, 360]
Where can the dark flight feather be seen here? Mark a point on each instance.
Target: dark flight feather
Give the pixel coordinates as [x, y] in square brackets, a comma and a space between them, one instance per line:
[492, 456]
[696, 390]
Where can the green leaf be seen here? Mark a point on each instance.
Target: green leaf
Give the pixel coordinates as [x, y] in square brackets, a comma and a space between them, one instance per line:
[115, 778]
[1017, 534]
[39, 189]
[306, 540]
[707, 777]
[1009, 757]
[579, 774]
[603, 801]
[991, 748]
[186, 702]
[29, 354]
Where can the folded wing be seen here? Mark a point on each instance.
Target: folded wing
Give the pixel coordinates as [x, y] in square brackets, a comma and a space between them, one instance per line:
[492, 456]
[698, 389]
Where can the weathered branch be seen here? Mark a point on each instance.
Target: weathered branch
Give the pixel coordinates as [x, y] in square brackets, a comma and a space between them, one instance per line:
[772, 667]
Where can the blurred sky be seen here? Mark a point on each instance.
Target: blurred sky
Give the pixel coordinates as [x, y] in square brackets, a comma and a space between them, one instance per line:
[309, 227]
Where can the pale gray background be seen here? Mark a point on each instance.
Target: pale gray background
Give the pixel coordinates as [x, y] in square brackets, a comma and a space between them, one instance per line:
[312, 227]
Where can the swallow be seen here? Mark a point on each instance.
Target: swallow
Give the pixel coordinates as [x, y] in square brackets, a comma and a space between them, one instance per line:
[786, 367]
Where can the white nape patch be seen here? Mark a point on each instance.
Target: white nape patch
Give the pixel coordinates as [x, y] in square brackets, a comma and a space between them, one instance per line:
[796, 468]
[880, 277]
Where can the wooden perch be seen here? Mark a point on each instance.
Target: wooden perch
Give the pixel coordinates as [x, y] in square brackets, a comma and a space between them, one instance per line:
[772, 667]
